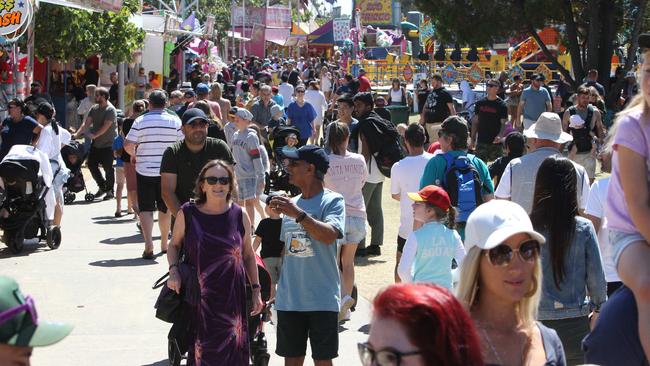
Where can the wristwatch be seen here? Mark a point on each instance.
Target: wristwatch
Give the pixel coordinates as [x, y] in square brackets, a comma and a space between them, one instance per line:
[301, 217]
[255, 286]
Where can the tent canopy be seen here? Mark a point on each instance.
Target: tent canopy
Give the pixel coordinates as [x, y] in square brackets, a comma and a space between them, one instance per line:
[325, 28]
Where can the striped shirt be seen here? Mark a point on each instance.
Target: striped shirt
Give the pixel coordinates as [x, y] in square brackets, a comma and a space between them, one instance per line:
[153, 132]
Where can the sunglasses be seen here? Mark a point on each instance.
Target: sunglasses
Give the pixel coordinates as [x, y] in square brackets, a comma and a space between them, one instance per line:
[28, 306]
[214, 180]
[385, 357]
[492, 86]
[300, 92]
[502, 254]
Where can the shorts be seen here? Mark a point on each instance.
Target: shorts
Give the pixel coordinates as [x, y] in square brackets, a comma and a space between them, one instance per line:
[588, 161]
[318, 121]
[321, 327]
[432, 130]
[120, 178]
[149, 194]
[528, 123]
[512, 102]
[400, 244]
[273, 265]
[130, 175]
[620, 241]
[489, 152]
[246, 188]
[355, 229]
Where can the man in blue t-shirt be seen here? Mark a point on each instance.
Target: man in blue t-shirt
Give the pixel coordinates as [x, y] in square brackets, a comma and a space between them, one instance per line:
[453, 142]
[308, 294]
[534, 101]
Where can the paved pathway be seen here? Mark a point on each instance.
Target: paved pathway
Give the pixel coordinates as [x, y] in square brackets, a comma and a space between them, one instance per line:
[97, 281]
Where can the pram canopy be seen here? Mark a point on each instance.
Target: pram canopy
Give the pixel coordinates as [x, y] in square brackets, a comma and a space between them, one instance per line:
[27, 162]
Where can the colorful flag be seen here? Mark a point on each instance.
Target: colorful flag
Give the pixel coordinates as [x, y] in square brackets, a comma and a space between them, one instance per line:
[188, 24]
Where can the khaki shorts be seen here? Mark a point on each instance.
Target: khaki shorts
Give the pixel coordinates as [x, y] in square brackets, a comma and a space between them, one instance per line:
[432, 130]
[588, 161]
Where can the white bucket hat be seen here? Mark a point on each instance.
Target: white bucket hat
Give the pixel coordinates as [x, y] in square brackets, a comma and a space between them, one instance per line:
[548, 127]
[495, 221]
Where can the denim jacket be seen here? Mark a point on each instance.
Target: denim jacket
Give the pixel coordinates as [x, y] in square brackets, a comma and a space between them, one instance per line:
[583, 276]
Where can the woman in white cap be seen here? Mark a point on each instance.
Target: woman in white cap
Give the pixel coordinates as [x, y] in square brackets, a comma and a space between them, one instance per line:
[571, 263]
[500, 284]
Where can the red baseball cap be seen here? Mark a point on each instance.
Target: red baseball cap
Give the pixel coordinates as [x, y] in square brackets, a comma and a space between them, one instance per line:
[433, 195]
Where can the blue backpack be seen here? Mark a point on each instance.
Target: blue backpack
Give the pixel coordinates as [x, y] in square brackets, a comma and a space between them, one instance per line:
[463, 184]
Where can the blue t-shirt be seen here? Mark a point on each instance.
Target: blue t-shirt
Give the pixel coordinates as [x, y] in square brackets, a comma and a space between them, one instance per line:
[615, 339]
[302, 118]
[436, 247]
[309, 279]
[535, 102]
[16, 133]
[278, 99]
[118, 143]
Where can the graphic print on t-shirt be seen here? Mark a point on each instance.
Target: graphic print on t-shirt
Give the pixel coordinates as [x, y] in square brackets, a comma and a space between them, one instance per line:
[299, 244]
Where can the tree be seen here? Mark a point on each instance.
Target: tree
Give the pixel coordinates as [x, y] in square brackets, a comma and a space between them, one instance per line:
[591, 28]
[63, 33]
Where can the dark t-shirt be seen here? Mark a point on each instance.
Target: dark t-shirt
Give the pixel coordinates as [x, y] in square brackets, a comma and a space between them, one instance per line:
[436, 109]
[383, 113]
[99, 115]
[269, 230]
[92, 77]
[615, 339]
[490, 113]
[178, 159]
[126, 127]
[293, 78]
[19, 133]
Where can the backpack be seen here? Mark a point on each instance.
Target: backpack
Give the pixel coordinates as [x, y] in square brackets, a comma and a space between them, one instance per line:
[383, 141]
[581, 136]
[463, 184]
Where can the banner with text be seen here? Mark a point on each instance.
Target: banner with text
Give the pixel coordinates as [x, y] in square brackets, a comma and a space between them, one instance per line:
[273, 17]
[376, 12]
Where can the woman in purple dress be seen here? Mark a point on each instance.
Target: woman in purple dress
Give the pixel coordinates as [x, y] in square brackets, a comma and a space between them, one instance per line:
[218, 244]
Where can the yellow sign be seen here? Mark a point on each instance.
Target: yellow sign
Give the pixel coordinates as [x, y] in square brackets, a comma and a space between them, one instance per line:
[375, 12]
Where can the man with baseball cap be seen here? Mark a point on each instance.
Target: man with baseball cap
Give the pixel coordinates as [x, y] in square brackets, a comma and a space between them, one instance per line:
[546, 138]
[202, 93]
[533, 102]
[453, 137]
[20, 328]
[182, 162]
[151, 134]
[308, 295]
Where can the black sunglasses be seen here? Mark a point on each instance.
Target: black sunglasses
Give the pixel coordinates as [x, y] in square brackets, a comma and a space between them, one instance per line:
[384, 357]
[502, 254]
[214, 180]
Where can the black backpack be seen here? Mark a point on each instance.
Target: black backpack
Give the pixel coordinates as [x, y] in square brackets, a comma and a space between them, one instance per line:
[581, 136]
[383, 142]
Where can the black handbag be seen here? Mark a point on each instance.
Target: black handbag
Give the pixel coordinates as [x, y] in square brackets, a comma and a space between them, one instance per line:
[169, 303]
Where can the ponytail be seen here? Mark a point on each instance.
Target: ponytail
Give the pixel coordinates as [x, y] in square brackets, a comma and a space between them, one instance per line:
[448, 218]
[55, 125]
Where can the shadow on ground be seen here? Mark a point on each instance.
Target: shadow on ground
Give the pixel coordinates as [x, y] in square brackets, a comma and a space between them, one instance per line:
[367, 261]
[131, 239]
[127, 262]
[159, 363]
[31, 247]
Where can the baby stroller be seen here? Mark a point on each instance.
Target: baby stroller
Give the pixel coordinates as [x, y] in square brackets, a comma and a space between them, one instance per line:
[23, 206]
[278, 178]
[74, 155]
[256, 337]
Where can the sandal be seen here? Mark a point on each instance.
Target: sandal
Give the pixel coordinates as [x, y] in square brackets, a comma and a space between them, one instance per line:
[147, 255]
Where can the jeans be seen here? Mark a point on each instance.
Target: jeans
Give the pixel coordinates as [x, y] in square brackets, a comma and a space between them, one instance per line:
[104, 157]
[372, 198]
[571, 332]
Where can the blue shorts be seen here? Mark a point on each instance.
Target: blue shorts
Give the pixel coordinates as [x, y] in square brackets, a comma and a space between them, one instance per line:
[246, 188]
[355, 229]
[620, 240]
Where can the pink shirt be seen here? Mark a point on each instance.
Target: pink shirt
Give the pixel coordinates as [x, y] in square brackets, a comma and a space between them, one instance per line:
[634, 133]
[347, 175]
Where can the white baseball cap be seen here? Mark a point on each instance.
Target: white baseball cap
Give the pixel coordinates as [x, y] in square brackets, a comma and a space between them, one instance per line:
[495, 221]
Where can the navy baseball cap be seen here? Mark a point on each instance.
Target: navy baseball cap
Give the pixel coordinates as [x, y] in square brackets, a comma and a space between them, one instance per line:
[192, 115]
[202, 89]
[311, 154]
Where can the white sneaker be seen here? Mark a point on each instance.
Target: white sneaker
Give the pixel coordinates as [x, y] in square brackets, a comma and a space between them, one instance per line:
[348, 315]
[346, 303]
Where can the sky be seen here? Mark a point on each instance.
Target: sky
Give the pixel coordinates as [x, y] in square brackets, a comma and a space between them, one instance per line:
[346, 6]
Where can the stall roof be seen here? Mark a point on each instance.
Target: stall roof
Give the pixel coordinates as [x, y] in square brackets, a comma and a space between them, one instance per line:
[324, 29]
[326, 39]
[277, 35]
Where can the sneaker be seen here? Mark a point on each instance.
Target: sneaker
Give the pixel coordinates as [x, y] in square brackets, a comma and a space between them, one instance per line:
[100, 192]
[346, 303]
[109, 196]
[348, 315]
[361, 252]
[373, 250]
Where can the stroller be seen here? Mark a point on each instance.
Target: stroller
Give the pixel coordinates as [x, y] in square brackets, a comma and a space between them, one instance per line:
[23, 199]
[178, 343]
[278, 178]
[74, 155]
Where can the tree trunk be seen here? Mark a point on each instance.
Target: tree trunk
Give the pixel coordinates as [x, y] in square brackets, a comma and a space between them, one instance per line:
[595, 26]
[573, 46]
[607, 35]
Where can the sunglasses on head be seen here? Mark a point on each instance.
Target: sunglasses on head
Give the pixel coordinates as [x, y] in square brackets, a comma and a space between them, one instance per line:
[502, 254]
[385, 357]
[27, 306]
[214, 180]
[492, 85]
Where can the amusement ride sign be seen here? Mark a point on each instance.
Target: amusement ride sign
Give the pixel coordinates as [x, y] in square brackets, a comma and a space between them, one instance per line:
[15, 16]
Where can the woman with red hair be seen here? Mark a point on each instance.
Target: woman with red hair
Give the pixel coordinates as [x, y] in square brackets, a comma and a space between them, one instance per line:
[420, 325]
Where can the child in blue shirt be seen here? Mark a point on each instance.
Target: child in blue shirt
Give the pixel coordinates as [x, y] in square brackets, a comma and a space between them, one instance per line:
[120, 178]
[429, 250]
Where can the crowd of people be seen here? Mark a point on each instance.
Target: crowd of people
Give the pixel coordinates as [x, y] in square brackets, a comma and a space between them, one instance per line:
[508, 245]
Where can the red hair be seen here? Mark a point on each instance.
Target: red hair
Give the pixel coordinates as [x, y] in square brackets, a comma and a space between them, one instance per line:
[435, 322]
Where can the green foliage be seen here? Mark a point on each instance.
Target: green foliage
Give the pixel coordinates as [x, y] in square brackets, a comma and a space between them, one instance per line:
[221, 10]
[64, 34]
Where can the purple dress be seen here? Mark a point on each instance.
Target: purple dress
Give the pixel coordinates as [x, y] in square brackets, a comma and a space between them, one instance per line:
[214, 245]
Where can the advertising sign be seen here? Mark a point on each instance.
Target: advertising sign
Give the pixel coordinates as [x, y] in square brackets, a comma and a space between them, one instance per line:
[376, 12]
[341, 29]
[273, 17]
[14, 16]
[277, 17]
